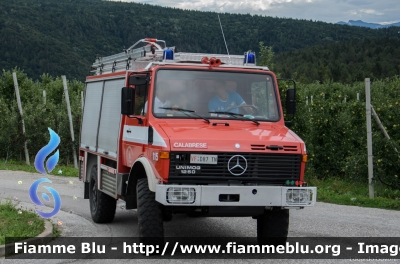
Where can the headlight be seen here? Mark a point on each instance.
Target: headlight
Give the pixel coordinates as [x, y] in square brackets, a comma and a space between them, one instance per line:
[181, 195]
[298, 196]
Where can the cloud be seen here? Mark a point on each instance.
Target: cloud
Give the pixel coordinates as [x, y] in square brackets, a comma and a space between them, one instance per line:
[389, 22]
[322, 10]
[239, 5]
[371, 12]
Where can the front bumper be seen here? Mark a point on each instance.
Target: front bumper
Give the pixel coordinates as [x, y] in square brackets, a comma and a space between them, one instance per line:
[214, 195]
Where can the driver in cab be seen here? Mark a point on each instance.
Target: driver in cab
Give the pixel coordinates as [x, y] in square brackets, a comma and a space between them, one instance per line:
[225, 101]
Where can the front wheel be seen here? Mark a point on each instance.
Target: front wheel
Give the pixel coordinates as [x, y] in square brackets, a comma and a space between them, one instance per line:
[102, 206]
[273, 227]
[150, 214]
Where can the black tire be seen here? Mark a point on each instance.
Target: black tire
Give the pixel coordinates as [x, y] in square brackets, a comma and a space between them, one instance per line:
[150, 215]
[102, 206]
[273, 227]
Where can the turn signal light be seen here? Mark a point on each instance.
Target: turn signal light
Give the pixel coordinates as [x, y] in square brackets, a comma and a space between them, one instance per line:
[304, 158]
[164, 155]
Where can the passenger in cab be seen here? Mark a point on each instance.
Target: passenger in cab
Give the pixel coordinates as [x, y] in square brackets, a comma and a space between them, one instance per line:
[225, 101]
[161, 98]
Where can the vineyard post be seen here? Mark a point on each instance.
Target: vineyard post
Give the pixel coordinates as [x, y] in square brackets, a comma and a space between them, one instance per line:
[64, 79]
[22, 118]
[369, 137]
[82, 100]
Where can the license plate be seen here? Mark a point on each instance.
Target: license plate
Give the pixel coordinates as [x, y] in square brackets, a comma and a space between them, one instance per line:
[203, 159]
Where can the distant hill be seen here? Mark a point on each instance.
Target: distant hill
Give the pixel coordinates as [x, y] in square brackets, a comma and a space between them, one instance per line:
[64, 37]
[345, 61]
[360, 23]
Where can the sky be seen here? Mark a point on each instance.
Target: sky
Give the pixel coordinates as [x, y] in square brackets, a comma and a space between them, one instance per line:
[372, 11]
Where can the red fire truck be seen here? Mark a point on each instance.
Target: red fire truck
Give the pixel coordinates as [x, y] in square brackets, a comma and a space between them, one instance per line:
[200, 134]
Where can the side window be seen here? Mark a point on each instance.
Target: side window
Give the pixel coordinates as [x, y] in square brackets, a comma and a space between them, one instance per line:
[271, 101]
[263, 97]
[259, 94]
[140, 99]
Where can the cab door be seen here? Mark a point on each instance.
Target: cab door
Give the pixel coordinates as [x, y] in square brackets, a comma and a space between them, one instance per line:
[134, 109]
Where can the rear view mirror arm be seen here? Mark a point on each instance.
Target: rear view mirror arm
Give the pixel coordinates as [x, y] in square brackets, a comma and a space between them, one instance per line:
[140, 120]
[291, 92]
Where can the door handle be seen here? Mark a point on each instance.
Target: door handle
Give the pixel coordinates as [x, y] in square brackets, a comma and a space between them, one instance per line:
[128, 131]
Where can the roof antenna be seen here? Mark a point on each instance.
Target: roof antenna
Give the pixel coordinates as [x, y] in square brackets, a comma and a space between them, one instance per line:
[224, 40]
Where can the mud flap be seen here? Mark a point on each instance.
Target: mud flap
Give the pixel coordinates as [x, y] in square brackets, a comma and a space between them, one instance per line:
[86, 190]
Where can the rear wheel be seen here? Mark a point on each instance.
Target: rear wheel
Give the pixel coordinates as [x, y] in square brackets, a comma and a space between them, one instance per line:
[102, 206]
[150, 214]
[272, 227]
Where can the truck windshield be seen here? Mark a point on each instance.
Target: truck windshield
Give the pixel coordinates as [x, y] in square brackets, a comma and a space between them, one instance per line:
[215, 95]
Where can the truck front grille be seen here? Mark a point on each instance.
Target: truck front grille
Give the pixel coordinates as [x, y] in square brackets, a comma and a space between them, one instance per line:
[261, 168]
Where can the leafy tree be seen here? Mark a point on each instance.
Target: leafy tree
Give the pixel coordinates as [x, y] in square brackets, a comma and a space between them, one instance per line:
[266, 56]
[38, 115]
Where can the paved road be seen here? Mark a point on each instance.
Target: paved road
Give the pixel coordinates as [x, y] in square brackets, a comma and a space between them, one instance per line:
[323, 220]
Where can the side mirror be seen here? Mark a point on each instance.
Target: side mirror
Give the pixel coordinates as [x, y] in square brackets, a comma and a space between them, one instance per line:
[290, 101]
[127, 101]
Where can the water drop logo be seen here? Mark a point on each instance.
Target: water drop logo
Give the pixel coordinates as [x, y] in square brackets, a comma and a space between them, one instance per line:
[35, 198]
[45, 151]
[50, 164]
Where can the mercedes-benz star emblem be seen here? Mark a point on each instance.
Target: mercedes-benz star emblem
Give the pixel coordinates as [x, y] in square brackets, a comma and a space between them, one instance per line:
[237, 165]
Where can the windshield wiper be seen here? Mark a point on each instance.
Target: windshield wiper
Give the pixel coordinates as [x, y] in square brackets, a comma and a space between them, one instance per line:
[235, 116]
[185, 111]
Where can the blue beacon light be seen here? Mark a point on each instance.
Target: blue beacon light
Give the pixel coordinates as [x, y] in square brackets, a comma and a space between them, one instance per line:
[168, 54]
[249, 58]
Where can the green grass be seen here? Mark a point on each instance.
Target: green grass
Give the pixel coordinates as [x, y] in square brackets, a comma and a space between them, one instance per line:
[338, 191]
[15, 223]
[68, 171]
[56, 231]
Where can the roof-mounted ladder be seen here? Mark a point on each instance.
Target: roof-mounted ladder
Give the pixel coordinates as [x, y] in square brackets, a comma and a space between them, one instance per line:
[133, 59]
[124, 60]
